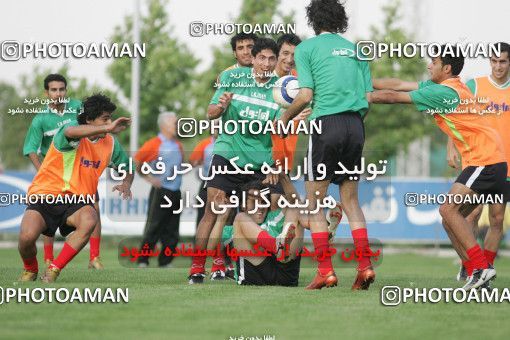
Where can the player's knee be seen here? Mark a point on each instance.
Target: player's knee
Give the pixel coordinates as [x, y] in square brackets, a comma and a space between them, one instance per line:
[240, 217]
[87, 221]
[497, 221]
[349, 206]
[349, 192]
[471, 218]
[26, 240]
[312, 204]
[208, 219]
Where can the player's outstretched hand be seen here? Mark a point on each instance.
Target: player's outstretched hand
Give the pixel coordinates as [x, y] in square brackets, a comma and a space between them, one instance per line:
[452, 155]
[453, 159]
[303, 114]
[225, 99]
[369, 97]
[271, 179]
[119, 124]
[124, 190]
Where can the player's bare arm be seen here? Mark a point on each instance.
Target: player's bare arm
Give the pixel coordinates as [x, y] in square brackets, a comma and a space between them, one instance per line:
[35, 160]
[394, 84]
[452, 155]
[303, 98]
[389, 97]
[82, 131]
[124, 188]
[303, 114]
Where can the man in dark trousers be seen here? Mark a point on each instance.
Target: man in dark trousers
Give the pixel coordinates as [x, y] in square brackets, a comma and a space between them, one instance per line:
[162, 223]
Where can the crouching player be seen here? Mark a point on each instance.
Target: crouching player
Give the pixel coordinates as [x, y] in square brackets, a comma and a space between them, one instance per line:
[71, 169]
[276, 231]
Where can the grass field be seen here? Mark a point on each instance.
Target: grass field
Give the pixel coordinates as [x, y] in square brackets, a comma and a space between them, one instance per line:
[163, 306]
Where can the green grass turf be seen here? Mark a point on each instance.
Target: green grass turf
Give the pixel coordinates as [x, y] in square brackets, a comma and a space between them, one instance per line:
[163, 306]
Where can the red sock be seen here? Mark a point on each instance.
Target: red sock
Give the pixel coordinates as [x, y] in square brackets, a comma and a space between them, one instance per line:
[31, 264]
[490, 256]
[198, 264]
[360, 238]
[469, 267]
[48, 252]
[94, 247]
[477, 258]
[321, 244]
[65, 256]
[218, 262]
[267, 241]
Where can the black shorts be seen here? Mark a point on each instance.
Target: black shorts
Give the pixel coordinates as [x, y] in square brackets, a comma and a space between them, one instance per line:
[269, 273]
[55, 216]
[486, 180]
[507, 190]
[341, 140]
[229, 183]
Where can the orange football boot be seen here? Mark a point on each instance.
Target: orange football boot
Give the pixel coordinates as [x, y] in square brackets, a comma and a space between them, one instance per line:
[320, 281]
[364, 278]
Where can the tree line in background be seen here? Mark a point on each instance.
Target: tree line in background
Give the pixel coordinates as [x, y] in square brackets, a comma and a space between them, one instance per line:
[169, 81]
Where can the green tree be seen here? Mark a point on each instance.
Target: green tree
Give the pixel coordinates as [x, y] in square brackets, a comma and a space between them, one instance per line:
[166, 72]
[392, 127]
[11, 126]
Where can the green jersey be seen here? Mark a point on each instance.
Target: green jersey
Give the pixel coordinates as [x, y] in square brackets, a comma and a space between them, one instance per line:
[251, 101]
[433, 96]
[273, 224]
[471, 84]
[44, 126]
[328, 65]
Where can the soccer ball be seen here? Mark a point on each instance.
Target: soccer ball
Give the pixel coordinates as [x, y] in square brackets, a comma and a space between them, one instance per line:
[285, 90]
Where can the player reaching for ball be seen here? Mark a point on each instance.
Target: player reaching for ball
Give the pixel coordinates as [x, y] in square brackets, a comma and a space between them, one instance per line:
[285, 148]
[331, 75]
[75, 160]
[251, 101]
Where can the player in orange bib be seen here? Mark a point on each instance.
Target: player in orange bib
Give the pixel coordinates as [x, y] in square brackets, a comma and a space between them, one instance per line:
[483, 161]
[495, 91]
[68, 177]
[285, 148]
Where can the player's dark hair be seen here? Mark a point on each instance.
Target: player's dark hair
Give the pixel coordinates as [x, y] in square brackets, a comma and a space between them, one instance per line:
[94, 106]
[504, 47]
[327, 16]
[264, 44]
[254, 185]
[53, 77]
[242, 36]
[288, 38]
[455, 60]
